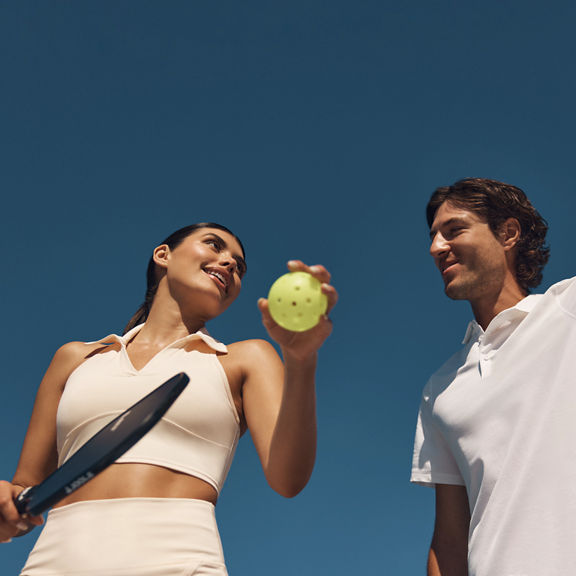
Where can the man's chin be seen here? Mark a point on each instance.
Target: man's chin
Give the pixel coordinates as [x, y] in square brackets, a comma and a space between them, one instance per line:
[455, 292]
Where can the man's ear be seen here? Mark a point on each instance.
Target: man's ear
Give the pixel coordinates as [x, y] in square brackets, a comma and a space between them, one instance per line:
[161, 255]
[510, 233]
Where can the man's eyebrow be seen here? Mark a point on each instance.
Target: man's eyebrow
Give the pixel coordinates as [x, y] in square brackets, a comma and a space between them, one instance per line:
[450, 222]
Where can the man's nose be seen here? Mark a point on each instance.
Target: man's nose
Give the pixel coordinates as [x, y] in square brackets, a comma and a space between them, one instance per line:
[438, 246]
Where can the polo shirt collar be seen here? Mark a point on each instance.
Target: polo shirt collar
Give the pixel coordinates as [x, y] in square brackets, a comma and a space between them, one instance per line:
[201, 334]
[515, 314]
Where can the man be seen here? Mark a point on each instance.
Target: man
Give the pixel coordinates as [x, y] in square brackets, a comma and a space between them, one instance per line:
[496, 428]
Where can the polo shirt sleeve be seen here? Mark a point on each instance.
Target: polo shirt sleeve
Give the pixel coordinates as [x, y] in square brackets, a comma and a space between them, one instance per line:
[432, 461]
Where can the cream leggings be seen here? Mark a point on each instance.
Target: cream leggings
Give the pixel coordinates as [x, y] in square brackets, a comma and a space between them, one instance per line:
[129, 537]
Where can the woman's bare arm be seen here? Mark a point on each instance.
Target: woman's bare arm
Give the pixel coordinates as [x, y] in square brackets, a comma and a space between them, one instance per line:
[39, 458]
[279, 399]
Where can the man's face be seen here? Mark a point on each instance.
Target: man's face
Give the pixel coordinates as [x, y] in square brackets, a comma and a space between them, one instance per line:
[471, 259]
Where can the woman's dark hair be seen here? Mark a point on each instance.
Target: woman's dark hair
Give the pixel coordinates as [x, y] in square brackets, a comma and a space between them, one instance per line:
[172, 241]
[494, 202]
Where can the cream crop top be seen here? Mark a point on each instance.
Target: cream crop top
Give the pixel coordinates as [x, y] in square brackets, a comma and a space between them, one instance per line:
[199, 433]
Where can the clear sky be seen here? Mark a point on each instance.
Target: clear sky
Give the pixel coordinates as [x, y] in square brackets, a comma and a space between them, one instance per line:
[315, 130]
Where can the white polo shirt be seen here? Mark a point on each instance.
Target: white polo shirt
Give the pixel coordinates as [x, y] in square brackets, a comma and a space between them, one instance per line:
[500, 418]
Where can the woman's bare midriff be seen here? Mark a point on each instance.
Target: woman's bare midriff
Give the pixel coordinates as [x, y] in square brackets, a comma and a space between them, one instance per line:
[141, 481]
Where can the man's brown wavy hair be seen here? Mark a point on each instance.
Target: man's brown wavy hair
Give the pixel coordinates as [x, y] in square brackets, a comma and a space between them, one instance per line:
[494, 202]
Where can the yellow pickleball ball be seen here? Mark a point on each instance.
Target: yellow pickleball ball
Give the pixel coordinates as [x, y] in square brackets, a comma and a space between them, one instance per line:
[296, 301]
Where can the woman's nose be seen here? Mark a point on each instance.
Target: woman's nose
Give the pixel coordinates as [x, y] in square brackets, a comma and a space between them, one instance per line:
[228, 261]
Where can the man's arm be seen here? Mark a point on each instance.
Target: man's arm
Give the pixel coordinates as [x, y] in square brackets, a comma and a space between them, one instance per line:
[449, 549]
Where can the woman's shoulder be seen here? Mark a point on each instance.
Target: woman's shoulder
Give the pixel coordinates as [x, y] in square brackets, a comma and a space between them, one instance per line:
[252, 358]
[72, 354]
[252, 352]
[254, 346]
[65, 360]
[75, 349]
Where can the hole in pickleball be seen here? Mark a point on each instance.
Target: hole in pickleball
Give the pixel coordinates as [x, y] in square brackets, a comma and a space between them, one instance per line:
[294, 303]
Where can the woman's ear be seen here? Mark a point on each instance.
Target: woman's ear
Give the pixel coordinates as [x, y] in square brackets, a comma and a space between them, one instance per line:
[510, 233]
[161, 255]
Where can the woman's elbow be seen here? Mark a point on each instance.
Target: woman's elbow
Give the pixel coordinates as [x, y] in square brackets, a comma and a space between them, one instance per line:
[288, 487]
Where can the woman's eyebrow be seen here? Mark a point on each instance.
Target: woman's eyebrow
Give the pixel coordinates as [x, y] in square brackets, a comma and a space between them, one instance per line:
[239, 259]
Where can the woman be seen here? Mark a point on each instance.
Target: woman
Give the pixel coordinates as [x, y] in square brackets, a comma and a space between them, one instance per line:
[152, 512]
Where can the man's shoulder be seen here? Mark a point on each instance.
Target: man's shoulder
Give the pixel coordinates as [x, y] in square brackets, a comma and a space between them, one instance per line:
[562, 285]
[565, 293]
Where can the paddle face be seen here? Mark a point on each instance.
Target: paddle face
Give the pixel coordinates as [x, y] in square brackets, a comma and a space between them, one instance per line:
[103, 449]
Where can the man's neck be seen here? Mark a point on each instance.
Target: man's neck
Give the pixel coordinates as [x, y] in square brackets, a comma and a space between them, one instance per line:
[487, 308]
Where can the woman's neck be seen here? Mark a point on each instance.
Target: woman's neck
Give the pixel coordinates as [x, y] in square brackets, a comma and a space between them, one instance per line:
[165, 325]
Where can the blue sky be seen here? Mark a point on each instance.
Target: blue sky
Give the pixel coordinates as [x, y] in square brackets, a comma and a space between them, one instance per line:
[315, 130]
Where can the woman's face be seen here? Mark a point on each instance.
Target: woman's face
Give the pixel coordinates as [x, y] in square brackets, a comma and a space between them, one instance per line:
[209, 264]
